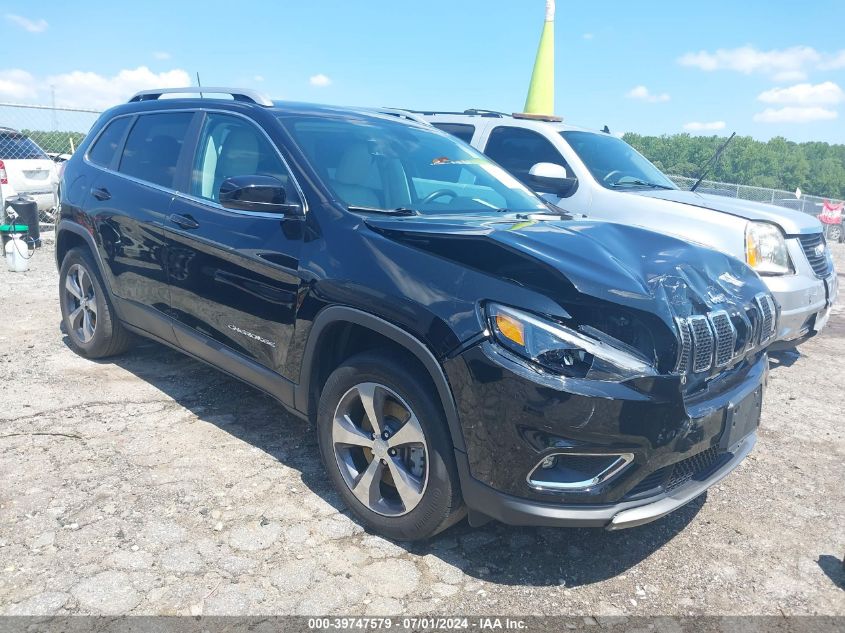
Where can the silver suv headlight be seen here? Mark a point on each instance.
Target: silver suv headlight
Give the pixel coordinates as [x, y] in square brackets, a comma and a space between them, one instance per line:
[587, 353]
[765, 249]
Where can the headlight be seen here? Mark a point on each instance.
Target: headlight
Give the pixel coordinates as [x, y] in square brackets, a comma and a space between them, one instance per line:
[588, 353]
[765, 249]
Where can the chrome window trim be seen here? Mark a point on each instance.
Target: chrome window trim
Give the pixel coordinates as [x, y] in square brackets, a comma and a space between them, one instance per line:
[622, 460]
[191, 197]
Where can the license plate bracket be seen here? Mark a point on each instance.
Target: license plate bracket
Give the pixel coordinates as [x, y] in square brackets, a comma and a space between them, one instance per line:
[742, 419]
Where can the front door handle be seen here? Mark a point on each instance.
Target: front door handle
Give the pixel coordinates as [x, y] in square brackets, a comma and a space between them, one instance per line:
[185, 221]
[101, 194]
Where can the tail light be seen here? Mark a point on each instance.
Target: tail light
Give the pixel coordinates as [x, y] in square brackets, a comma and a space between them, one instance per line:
[4, 180]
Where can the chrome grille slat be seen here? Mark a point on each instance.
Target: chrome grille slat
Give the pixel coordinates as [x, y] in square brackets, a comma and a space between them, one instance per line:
[819, 263]
[767, 313]
[685, 346]
[725, 337]
[702, 338]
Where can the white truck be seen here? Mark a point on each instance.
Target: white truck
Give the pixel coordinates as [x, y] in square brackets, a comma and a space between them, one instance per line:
[600, 176]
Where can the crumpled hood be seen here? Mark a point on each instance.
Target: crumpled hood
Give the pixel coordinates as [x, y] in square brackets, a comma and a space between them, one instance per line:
[792, 222]
[621, 264]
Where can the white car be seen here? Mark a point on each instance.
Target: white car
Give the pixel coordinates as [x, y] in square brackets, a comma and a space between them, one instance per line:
[26, 169]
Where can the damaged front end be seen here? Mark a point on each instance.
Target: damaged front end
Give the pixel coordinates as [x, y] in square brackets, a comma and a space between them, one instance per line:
[641, 376]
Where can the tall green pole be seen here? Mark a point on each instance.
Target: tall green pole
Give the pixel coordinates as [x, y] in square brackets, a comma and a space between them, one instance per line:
[541, 92]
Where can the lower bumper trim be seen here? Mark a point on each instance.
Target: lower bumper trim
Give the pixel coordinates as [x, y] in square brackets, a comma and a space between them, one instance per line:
[517, 511]
[633, 517]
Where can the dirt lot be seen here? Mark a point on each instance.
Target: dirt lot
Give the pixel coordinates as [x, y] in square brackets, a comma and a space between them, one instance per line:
[153, 484]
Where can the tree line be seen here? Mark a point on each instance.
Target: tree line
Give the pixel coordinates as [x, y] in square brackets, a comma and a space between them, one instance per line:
[817, 168]
[59, 142]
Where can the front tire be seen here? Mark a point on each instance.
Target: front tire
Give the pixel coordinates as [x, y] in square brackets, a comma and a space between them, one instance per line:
[92, 327]
[384, 442]
[834, 233]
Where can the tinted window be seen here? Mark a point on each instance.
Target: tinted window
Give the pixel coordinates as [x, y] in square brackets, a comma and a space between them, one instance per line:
[614, 163]
[152, 149]
[230, 146]
[104, 148]
[518, 150]
[15, 145]
[387, 164]
[461, 130]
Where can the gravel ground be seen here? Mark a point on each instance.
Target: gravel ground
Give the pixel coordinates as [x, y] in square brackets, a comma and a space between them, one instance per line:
[152, 484]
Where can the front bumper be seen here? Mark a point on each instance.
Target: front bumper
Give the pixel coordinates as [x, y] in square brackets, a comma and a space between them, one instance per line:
[803, 297]
[516, 511]
[511, 420]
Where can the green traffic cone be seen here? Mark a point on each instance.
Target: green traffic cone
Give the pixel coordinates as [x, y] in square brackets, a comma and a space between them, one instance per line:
[541, 92]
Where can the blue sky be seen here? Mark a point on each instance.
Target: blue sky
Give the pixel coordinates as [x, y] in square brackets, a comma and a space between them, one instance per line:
[649, 67]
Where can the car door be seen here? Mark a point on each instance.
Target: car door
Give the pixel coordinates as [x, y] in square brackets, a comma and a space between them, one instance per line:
[234, 275]
[129, 203]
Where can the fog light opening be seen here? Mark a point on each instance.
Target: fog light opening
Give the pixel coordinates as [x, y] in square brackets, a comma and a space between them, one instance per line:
[576, 471]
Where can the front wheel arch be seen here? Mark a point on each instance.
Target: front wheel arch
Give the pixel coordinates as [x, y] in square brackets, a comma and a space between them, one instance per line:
[334, 315]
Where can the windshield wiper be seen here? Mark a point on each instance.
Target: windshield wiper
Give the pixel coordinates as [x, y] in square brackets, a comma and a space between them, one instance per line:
[402, 211]
[636, 182]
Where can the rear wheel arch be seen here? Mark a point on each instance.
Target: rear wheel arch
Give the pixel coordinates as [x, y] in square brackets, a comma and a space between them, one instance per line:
[339, 332]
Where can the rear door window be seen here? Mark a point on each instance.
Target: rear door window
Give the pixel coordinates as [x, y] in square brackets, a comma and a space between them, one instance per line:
[463, 131]
[153, 147]
[105, 147]
[14, 145]
[518, 150]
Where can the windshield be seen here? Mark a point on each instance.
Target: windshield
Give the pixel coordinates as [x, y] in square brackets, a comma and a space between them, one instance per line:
[19, 146]
[614, 163]
[387, 165]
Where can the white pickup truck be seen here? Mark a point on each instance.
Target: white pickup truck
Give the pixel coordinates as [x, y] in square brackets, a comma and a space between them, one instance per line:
[599, 175]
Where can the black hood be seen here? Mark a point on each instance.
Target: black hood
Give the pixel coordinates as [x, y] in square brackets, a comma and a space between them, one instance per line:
[635, 267]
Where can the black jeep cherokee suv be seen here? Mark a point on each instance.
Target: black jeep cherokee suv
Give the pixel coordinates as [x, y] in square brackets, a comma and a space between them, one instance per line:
[459, 345]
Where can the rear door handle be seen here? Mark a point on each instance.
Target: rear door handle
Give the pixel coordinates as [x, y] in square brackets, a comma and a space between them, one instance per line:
[101, 194]
[185, 221]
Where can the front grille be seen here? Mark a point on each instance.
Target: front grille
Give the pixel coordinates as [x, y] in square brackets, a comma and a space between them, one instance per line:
[767, 310]
[818, 260]
[675, 475]
[725, 337]
[702, 339]
[719, 337]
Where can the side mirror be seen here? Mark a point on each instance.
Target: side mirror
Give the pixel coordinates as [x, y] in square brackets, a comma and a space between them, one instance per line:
[256, 193]
[552, 178]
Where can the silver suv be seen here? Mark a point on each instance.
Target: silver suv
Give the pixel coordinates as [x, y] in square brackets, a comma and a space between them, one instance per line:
[601, 176]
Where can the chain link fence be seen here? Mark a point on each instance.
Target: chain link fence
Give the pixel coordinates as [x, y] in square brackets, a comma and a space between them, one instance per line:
[807, 204]
[34, 142]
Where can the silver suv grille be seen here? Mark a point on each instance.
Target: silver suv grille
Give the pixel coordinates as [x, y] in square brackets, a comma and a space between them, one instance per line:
[815, 249]
[716, 339]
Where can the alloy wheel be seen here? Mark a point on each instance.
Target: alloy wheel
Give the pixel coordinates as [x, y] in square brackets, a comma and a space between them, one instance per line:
[81, 303]
[380, 449]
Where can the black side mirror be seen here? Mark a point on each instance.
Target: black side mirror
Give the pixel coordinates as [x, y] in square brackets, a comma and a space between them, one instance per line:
[257, 193]
[552, 178]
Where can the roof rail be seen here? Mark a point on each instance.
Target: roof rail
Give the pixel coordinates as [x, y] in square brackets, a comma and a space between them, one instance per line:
[410, 115]
[248, 96]
[469, 112]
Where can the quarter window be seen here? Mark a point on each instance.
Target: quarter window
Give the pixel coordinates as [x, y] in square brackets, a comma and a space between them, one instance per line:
[105, 147]
[153, 147]
[229, 147]
[518, 150]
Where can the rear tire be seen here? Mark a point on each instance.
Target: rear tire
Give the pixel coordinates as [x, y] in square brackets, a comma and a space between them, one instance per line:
[409, 444]
[92, 327]
[834, 233]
